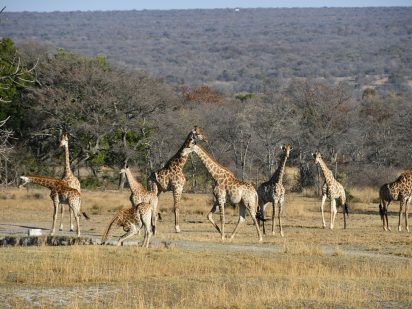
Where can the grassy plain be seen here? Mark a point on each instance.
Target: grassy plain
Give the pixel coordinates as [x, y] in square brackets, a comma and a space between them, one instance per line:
[311, 267]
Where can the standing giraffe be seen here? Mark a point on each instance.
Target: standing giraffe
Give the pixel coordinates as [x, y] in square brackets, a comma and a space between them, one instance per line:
[59, 193]
[272, 191]
[171, 177]
[132, 220]
[139, 194]
[68, 177]
[227, 188]
[398, 190]
[333, 190]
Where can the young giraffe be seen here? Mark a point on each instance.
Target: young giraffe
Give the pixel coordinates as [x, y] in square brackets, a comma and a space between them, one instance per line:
[272, 191]
[132, 220]
[333, 190]
[398, 190]
[171, 177]
[59, 193]
[71, 180]
[139, 194]
[227, 188]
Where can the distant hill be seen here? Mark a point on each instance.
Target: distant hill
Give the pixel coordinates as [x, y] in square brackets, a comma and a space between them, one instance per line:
[232, 50]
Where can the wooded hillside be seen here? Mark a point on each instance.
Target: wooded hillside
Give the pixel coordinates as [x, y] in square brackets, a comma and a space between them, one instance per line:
[233, 51]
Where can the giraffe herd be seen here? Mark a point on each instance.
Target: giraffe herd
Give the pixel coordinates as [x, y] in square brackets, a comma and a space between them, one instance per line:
[226, 188]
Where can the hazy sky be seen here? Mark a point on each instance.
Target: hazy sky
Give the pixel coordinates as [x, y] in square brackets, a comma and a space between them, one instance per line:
[93, 5]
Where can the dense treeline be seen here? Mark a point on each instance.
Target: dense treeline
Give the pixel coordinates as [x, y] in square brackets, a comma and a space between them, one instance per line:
[116, 115]
[236, 51]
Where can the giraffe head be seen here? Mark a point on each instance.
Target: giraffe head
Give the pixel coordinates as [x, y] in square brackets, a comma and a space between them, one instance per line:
[317, 156]
[286, 148]
[195, 135]
[198, 134]
[24, 181]
[64, 140]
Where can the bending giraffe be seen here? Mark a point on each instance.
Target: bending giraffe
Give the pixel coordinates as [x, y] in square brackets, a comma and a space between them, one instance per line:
[398, 190]
[59, 193]
[272, 191]
[68, 177]
[227, 188]
[132, 220]
[171, 177]
[333, 190]
[139, 194]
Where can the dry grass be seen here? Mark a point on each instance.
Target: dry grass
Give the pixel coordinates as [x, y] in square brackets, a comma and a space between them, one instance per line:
[310, 267]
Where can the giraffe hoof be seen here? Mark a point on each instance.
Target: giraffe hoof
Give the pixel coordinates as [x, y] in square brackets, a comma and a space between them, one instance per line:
[399, 229]
[260, 239]
[71, 230]
[61, 229]
[281, 234]
[177, 229]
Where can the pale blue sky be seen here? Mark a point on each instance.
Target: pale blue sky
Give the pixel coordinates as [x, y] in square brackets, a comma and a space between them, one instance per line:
[94, 5]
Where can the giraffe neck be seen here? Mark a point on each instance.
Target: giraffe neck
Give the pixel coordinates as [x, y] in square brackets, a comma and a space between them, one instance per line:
[67, 169]
[134, 185]
[279, 173]
[327, 173]
[180, 159]
[48, 182]
[213, 167]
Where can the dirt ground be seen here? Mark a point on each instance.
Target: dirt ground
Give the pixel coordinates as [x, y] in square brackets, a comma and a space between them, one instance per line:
[23, 209]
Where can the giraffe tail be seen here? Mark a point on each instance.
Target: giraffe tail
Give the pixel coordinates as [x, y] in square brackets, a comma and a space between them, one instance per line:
[381, 212]
[109, 226]
[346, 209]
[85, 215]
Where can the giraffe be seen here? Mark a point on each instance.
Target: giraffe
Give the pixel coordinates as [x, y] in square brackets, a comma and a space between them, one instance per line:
[139, 194]
[227, 188]
[333, 190]
[132, 220]
[398, 190]
[68, 176]
[171, 177]
[59, 193]
[272, 191]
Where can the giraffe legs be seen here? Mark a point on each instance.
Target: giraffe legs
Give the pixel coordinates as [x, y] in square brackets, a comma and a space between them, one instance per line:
[333, 212]
[383, 211]
[281, 203]
[321, 209]
[130, 231]
[402, 202]
[55, 200]
[75, 208]
[406, 214]
[154, 214]
[274, 203]
[210, 218]
[242, 214]
[61, 218]
[177, 195]
[262, 216]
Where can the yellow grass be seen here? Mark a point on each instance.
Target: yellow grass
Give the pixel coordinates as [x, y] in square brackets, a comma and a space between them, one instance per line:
[310, 267]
